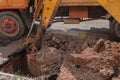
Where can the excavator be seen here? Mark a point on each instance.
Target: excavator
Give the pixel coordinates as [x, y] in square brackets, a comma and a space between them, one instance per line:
[47, 10]
[74, 10]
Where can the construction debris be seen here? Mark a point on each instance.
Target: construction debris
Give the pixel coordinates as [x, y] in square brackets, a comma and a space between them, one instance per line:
[6, 76]
[74, 58]
[102, 65]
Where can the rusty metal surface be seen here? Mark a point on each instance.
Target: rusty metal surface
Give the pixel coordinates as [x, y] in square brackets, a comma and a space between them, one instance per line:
[79, 3]
[38, 9]
[78, 12]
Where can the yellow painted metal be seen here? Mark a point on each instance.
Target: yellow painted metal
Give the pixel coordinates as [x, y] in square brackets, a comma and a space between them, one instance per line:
[49, 10]
[79, 3]
[113, 7]
[50, 7]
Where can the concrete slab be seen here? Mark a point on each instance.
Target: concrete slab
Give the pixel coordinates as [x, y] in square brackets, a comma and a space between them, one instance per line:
[10, 48]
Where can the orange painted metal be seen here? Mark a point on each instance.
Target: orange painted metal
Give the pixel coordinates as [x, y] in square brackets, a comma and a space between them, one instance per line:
[78, 12]
[13, 4]
[80, 3]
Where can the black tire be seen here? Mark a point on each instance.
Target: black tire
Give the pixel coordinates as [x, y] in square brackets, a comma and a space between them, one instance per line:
[112, 25]
[115, 29]
[11, 25]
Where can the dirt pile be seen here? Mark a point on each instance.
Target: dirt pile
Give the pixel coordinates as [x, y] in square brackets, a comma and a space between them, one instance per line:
[47, 62]
[75, 58]
[71, 44]
[116, 78]
[93, 57]
[99, 62]
[54, 47]
[63, 42]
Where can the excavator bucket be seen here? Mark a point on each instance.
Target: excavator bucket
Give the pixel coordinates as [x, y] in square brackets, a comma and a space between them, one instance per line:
[112, 6]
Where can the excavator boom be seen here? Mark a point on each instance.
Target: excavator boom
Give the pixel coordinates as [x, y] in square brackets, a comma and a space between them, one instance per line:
[48, 13]
[112, 6]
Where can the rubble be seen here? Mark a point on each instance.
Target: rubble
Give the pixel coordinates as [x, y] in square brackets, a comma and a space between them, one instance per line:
[116, 78]
[95, 65]
[57, 47]
[74, 58]
[46, 62]
[6, 76]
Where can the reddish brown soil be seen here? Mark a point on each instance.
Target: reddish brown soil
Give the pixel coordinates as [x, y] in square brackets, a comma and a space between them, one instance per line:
[91, 58]
[74, 58]
[101, 62]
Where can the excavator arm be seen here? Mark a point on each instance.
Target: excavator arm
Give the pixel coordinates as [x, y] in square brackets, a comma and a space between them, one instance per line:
[49, 9]
[112, 6]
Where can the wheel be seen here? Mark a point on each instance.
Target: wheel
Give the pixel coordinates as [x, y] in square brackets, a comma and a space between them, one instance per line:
[115, 28]
[11, 25]
[112, 25]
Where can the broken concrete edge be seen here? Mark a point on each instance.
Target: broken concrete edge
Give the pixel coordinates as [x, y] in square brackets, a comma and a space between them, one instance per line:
[3, 60]
[13, 77]
[7, 76]
[17, 51]
[11, 55]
